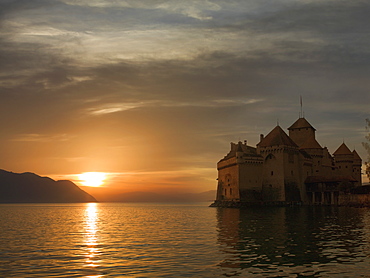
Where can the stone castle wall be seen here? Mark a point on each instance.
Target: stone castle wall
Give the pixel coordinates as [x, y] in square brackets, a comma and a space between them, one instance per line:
[228, 179]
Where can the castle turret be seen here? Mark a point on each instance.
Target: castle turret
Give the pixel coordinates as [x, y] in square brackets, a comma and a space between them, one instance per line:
[239, 153]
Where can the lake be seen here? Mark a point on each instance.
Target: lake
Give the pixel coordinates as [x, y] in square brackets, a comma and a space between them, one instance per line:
[182, 240]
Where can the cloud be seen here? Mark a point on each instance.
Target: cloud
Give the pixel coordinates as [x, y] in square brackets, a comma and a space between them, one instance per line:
[174, 83]
[194, 9]
[119, 107]
[113, 108]
[286, 31]
[42, 138]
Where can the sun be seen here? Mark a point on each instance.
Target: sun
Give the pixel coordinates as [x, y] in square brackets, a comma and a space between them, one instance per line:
[93, 179]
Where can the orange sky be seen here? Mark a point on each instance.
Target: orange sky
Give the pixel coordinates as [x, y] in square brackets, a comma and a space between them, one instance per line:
[153, 92]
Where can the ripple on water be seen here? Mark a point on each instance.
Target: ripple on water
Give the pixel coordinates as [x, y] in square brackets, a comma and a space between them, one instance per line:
[138, 240]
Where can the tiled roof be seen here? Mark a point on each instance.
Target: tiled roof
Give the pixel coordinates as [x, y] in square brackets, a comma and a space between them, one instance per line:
[311, 143]
[343, 149]
[277, 137]
[301, 123]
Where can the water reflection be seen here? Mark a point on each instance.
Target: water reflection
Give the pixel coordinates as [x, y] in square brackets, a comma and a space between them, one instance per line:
[135, 240]
[290, 241]
[90, 238]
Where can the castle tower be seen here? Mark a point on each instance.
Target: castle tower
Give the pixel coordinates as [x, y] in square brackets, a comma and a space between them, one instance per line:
[344, 160]
[228, 175]
[313, 148]
[240, 174]
[281, 178]
[300, 131]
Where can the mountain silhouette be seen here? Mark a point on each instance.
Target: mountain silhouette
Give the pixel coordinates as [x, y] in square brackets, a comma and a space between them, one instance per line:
[140, 196]
[31, 188]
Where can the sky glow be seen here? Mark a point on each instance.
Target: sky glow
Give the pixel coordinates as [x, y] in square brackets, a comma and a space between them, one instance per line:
[93, 179]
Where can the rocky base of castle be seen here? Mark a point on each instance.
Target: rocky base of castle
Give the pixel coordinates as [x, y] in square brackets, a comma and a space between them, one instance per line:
[344, 200]
[241, 204]
[354, 200]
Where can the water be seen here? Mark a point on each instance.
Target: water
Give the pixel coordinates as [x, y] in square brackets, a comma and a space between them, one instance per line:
[182, 240]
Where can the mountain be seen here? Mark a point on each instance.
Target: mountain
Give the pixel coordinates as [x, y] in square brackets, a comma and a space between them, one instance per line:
[139, 196]
[31, 188]
[201, 197]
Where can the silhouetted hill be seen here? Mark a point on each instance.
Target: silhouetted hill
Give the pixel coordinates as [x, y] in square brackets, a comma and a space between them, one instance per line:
[139, 196]
[31, 188]
[201, 197]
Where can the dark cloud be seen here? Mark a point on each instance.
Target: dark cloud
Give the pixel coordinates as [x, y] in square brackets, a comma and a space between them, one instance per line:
[322, 17]
[9, 7]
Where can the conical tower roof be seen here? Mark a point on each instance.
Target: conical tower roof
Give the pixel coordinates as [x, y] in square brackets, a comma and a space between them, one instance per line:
[311, 143]
[276, 137]
[356, 156]
[343, 149]
[301, 123]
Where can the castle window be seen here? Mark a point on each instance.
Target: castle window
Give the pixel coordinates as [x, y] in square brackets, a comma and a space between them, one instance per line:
[291, 172]
[346, 167]
[231, 191]
[272, 173]
[225, 192]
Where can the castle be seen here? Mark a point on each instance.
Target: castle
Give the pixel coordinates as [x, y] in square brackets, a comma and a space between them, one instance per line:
[285, 169]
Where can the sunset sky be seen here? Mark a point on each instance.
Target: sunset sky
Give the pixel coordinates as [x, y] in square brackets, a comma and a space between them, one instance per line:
[153, 92]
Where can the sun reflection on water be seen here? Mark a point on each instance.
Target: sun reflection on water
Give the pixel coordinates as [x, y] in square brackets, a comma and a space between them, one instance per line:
[91, 242]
